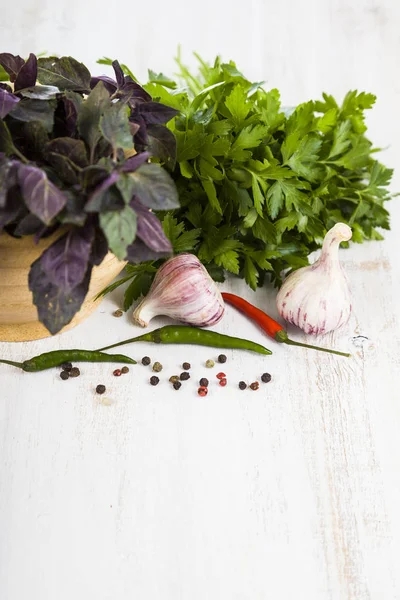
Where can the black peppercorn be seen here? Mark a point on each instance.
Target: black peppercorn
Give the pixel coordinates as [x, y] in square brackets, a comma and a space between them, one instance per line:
[242, 385]
[100, 389]
[146, 360]
[184, 376]
[67, 366]
[74, 372]
[64, 375]
[266, 377]
[222, 358]
[186, 366]
[177, 385]
[154, 380]
[203, 382]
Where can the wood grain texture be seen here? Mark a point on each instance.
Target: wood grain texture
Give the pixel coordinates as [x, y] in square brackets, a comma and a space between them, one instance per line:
[287, 493]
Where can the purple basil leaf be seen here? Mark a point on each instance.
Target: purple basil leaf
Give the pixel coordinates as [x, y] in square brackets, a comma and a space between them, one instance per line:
[157, 113]
[100, 195]
[119, 74]
[69, 108]
[138, 252]
[41, 196]
[6, 143]
[11, 64]
[89, 116]
[154, 187]
[162, 144]
[74, 150]
[63, 167]
[7, 102]
[74, 210]
[40, 92]
[67, 156]
[12, 208]
[65, 261]
[29, 225]
[114, 125]
[32, 139]
[6, 180]
[141, 139]
[56, 308]
[135, 89]
[35, 110]
[27, 74]
[93, 176]
[119, 227]
[134, 162]
[99, 248]
[109, 84]
[66, 73]
[149, 229]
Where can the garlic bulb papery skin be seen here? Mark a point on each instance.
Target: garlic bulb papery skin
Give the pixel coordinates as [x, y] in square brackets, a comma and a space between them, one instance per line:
[182, 289]
[317, 298]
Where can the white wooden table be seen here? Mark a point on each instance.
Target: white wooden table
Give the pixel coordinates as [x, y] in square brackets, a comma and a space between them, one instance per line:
[289, 492]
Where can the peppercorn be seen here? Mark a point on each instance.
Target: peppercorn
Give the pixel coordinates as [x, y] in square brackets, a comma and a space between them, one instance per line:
[222, 382]
[177, 385]
[221, 375]
[146, 360]
[210, 363]
[174, 378]
[242, 385]
[186, 366]
[203, 382]
[222, 358]
[154, 380]
[157, 367]
[64, 375]
[125, 370]
[117, 373]
[184, 376]
[266, 377]
[100, 389]
[118, 313]
[74, 372]
[202, 391]
[255, 385]
[67, 366]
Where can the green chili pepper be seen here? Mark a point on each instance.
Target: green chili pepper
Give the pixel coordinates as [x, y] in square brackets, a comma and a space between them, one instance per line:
[180, 334]
[58, 357]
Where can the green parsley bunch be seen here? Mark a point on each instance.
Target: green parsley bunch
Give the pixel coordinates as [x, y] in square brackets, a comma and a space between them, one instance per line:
[260, 186]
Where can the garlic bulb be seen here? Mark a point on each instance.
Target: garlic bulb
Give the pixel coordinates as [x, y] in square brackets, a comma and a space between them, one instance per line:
[317, 298]
[182, 289]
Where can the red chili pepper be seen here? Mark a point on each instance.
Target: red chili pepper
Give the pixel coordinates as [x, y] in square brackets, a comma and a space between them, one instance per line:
[272, 328]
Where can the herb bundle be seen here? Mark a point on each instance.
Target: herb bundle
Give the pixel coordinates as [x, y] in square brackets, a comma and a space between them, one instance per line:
[260, 186]
[72, 156]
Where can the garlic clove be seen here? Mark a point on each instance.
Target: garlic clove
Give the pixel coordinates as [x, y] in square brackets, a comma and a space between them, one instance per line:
[317, 298]
[183, 290]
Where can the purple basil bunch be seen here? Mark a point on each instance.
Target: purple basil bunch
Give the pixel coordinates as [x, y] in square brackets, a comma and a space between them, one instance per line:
[74, 153]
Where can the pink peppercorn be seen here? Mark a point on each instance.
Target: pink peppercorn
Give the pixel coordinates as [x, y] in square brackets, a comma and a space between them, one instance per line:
[202, 391]
[221, 375]
[222, 382]
[117, 372]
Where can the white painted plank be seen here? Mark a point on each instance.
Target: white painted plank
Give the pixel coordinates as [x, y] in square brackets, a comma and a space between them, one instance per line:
[289, 492]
